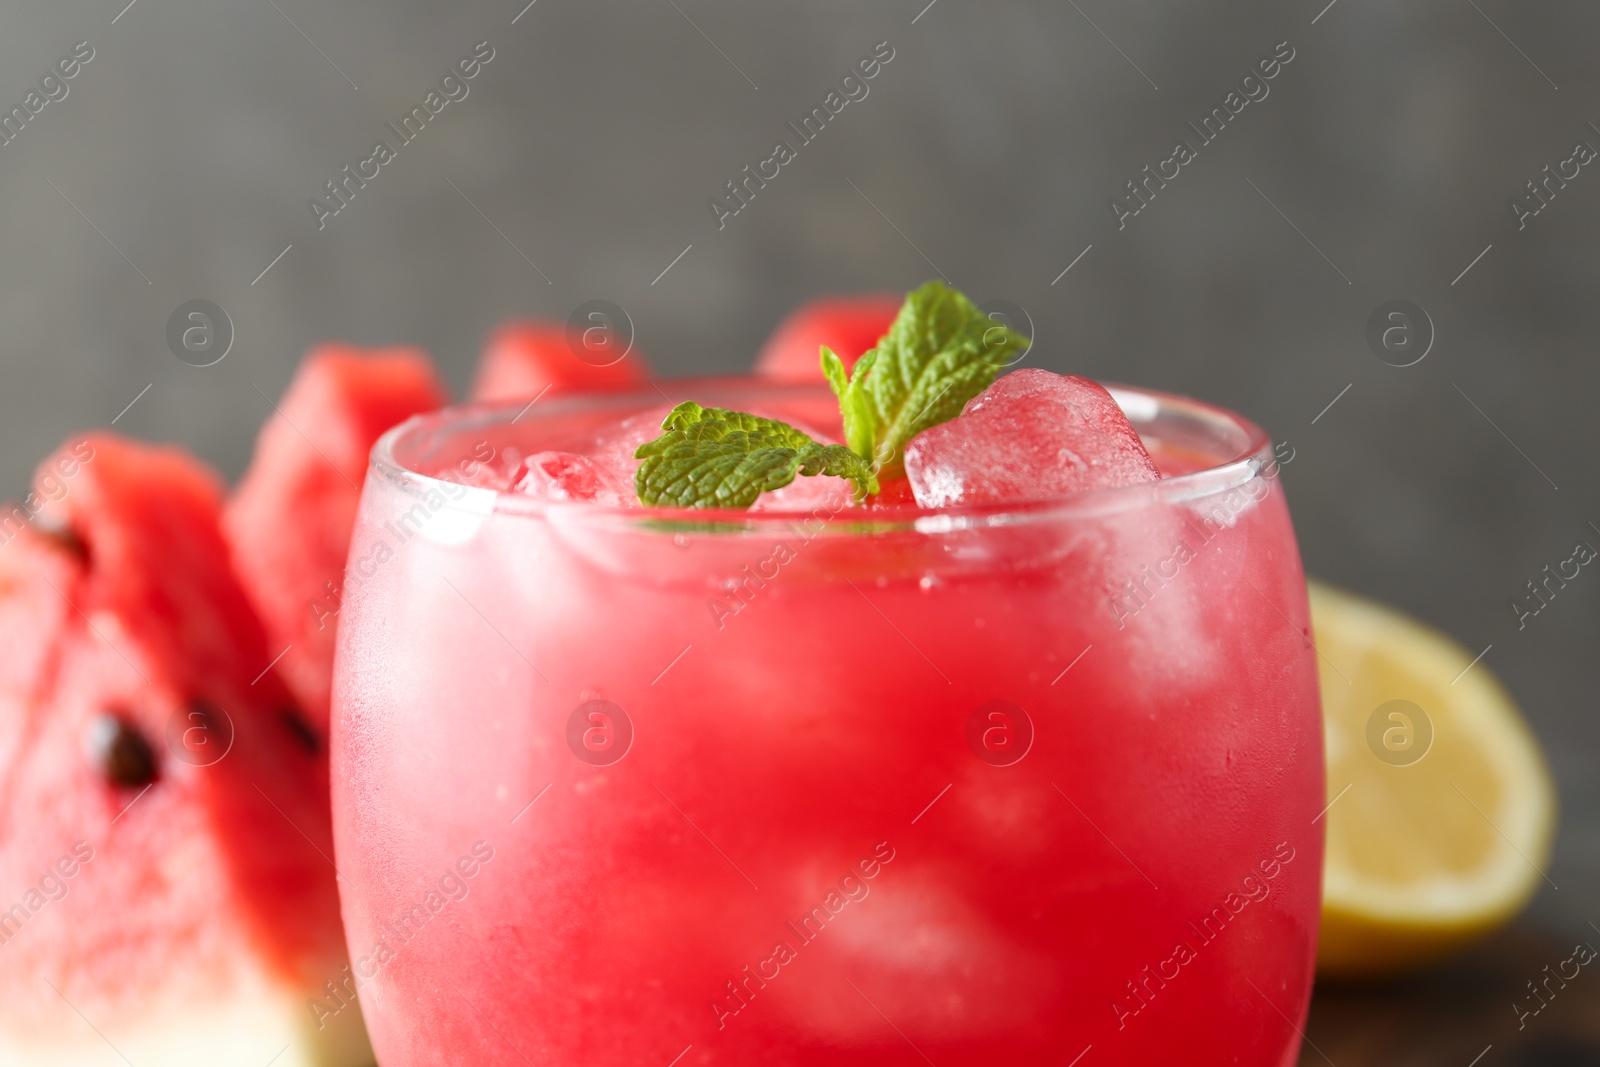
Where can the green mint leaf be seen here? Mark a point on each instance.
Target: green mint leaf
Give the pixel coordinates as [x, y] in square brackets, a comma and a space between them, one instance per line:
[940, 351]
[716, 458]
[855, 406]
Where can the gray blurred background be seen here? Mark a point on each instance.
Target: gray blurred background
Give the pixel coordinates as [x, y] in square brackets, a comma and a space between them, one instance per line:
[180, 163]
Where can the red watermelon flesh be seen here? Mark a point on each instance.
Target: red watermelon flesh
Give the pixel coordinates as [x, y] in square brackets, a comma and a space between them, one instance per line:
[290, 519]
[161, 903]
[850, 325]
[526, 359]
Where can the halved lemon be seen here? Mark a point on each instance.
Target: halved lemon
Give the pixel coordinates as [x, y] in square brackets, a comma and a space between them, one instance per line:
[1442, 808]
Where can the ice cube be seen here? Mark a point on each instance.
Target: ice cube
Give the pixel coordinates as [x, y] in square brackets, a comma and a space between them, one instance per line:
[1031, 435]
[598, 470]
[501, 469]
[615, 450]
[807, 494]
[568, 477]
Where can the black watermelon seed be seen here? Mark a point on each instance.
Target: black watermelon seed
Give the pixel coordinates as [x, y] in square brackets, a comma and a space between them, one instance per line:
[300, 730]
[64, 537]
[121, 752]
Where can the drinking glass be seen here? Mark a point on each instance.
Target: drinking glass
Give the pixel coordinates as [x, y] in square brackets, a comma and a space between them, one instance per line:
[1033, 783]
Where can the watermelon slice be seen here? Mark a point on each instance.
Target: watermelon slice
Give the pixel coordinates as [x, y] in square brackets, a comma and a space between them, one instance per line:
[524, 359]
[289, 521]
[849, 325]
[167, 893]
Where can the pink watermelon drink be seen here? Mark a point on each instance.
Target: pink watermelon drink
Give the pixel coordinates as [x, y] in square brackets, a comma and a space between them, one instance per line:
[827, 780]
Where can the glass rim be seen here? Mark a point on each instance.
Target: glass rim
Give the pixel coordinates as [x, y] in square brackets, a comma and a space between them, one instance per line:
[1251, 452]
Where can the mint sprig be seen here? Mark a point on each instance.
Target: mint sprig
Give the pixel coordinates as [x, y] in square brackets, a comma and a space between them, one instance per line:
[716, 458]
[940, 352]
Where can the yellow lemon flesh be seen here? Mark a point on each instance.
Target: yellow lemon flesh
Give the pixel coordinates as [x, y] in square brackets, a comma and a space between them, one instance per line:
[1442, 807]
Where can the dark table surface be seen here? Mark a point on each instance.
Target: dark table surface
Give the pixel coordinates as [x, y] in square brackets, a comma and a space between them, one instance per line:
[1465, 1008]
